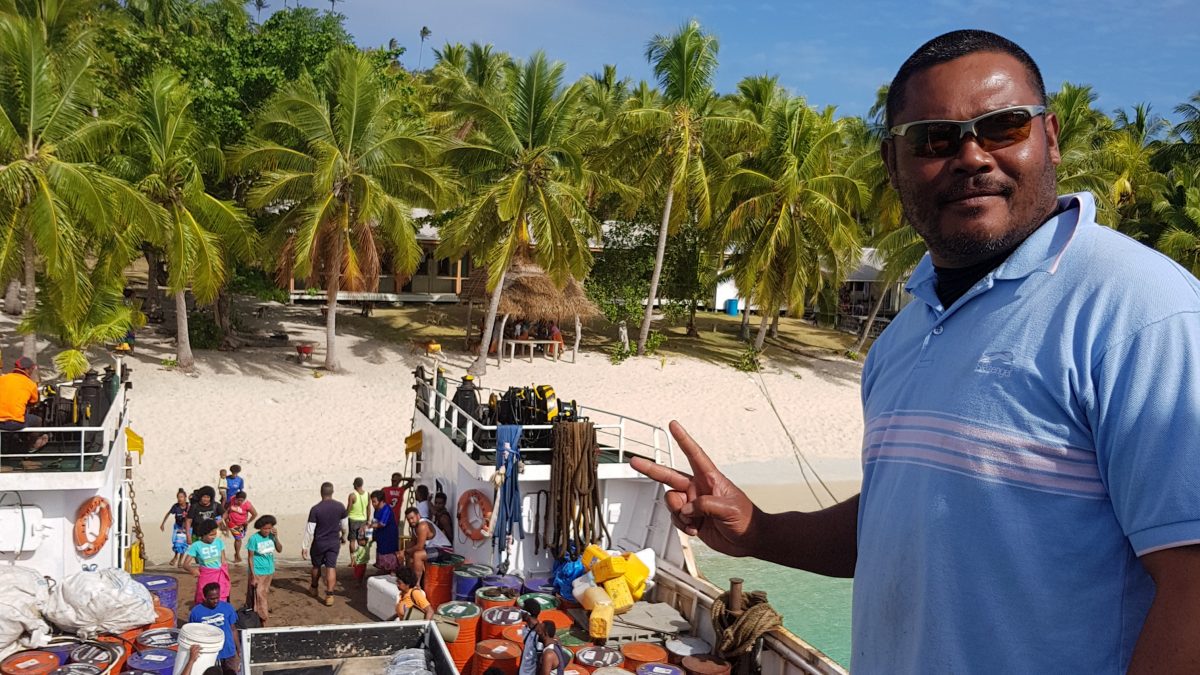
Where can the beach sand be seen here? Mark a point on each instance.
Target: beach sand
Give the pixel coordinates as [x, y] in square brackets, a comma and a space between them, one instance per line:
[291, 426]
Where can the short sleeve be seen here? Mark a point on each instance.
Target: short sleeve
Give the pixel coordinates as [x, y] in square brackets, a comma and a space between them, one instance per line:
[420, 600]
[1147, 411]
[193, 549]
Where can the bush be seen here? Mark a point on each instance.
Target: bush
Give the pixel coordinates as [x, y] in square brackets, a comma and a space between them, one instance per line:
[619, 353]
[748, 361]
[203, 331]
[653, 341]
[257, 283]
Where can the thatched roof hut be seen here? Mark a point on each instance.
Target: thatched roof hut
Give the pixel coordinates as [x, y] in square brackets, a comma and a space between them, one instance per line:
[529, 293]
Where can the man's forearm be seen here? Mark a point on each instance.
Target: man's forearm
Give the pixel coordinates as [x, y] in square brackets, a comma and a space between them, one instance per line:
[823, 542]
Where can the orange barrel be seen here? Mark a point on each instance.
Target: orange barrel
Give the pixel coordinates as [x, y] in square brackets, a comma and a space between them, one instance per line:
[638, 654]
[500, 654]
[488, 597]
[560, 618]
[515, 633]
[462, 649]
[94, 654]
[591, 658]
[706, 664]
[573, 639]
[496, 619]
[29, 663]
[660, 669]
[159, 638]
[544, 600]
[439, 582]
[683, 647]
[164, 618]
[120, 648]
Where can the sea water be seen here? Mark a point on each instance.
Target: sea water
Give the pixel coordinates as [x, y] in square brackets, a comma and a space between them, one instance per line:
[814, 607]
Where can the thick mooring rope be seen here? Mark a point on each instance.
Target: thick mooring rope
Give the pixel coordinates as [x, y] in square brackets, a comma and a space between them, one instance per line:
[575, 504]
[736, 637]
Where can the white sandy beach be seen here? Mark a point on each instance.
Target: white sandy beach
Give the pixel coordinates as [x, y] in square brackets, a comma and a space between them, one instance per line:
[290, 430]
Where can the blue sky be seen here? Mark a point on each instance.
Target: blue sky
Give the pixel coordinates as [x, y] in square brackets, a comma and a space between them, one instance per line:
[835, 52]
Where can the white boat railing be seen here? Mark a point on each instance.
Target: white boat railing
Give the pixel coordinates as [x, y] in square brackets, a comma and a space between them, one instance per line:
[613, 430]
[88, 449]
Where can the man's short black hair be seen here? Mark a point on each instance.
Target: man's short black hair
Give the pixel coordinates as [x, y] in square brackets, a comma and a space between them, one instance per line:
[953, 45]
[326, 489]
[407, 575]
[358, 482]
[203, 528]
[377, 494]
[532, 607]
[214, 586]
[235, 469]
[412, 509]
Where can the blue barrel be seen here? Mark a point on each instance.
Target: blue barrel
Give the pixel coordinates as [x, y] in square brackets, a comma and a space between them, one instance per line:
[731, 307]
[509, 581]
[62, 648]
[153, 661]
[468, 579]
[538, 585]
[161, 586]
[659, 669]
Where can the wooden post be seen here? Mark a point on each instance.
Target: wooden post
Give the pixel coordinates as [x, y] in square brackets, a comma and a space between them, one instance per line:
[735, 597]
[458, 277]
[578, 334]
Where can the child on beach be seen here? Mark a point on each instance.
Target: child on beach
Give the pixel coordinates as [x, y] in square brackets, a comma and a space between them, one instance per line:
[239, 512]
[360, 557]
[179, 535]
[261, 549]
[209, 553]
[233, 482]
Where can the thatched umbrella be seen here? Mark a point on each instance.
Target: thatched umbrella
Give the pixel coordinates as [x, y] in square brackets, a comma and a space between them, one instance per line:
[531, 294]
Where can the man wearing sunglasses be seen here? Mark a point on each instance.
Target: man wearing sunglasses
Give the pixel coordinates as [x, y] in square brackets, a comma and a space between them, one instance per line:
[1031, 483]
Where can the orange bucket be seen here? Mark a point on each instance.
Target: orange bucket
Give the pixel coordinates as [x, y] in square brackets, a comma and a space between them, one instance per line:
[488, 597]
[500, 654]
[560, 618]
[638, 654]
[496, 619]
[466, 615]
[30, 663]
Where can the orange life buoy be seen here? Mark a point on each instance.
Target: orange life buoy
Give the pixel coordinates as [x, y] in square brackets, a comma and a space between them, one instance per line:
[474, 499]
[88, 546]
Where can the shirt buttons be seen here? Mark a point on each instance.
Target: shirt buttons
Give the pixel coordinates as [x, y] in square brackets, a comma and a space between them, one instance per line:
[937, 330]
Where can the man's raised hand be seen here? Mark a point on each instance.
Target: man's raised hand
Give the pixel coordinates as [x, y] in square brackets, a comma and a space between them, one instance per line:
[705, 504]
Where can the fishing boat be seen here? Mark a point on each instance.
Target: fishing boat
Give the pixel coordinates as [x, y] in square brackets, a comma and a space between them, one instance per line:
[454, 446]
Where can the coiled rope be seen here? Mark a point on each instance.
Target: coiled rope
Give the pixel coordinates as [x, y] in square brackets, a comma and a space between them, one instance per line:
[736, 637]
[575, 504]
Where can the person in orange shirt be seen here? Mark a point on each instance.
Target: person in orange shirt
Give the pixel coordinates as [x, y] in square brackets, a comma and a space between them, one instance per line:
[18, 390]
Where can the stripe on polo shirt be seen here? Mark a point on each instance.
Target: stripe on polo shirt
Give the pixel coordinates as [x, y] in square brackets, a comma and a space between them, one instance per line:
[964, 447]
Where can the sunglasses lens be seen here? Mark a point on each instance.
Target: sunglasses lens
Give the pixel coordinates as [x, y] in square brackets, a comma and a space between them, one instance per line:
[1003, 129]
[934, 139]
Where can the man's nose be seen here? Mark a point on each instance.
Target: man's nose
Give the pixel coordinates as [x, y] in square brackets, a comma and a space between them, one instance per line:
[971, 158]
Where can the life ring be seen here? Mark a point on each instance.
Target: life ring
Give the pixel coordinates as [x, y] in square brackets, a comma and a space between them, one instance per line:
[477, 501]
[99, 507]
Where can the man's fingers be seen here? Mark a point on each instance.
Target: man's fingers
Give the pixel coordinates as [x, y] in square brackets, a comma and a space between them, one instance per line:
[708, 506]
[697, 458]
[676, 480]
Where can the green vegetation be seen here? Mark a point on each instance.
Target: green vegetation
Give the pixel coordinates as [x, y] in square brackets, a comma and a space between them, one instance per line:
[244, 152]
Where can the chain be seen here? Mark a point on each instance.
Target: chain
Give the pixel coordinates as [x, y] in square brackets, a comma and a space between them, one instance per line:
[137, 520]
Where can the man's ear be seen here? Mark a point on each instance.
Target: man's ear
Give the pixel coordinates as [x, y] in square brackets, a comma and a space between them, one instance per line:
[887, 152]
[1052, 128]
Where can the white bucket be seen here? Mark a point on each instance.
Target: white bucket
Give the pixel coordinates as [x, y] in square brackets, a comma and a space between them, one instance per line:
[210, 638]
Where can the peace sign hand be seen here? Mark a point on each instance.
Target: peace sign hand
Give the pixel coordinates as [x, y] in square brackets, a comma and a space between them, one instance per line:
[705, 504]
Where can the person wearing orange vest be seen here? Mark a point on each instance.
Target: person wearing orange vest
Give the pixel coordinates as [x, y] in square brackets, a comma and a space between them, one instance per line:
[17, 391]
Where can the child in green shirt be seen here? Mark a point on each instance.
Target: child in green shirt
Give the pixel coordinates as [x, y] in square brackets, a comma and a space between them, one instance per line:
[359, 558]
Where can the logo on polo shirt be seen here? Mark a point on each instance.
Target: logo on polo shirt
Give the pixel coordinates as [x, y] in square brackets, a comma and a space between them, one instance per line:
[995, 363]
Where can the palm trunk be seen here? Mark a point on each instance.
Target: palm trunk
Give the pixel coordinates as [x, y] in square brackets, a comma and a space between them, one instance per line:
[762, 332]
[29, 343]
[183, 341]
[333, 283]
[744, 332]
[659, 252]
[775, 324]
[223, 315]
[866, 329]
[485, 340]
[691, 324]
[578, 335]
[500, 341]
[153, 294]
[12, 298]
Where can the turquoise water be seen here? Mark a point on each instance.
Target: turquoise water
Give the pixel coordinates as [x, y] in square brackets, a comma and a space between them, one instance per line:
[814, 607]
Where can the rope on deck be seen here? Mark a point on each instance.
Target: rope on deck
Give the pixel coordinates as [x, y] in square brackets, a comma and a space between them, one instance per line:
[736, 636]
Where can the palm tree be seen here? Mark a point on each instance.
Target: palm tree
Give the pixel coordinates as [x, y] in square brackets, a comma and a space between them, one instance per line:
[165, 153]
[51, 199]
[337, 158]
[1082, 132]
[525, 172]
[1179, 208]
[1127, 157]
[259, 6]
[673, 147]
[799, 208]
[425, 33]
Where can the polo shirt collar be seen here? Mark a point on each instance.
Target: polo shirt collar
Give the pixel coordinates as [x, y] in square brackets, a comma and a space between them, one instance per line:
[1040, 252]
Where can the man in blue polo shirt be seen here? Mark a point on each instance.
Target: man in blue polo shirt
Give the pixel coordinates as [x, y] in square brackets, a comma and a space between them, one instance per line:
[1031, 489]
[221, 615]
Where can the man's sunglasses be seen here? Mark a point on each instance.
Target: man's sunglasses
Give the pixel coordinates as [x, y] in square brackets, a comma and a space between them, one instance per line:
[992, 131]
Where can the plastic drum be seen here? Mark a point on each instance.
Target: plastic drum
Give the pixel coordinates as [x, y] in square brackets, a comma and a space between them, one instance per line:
[162, 638]
[659, 669]
[30, 663]
[161, 586]
[684, 647]
[706, 664]
[500, 654]
[638, 654]
[158, 661]
[592, 658]
[545, 600]
[496, 619]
